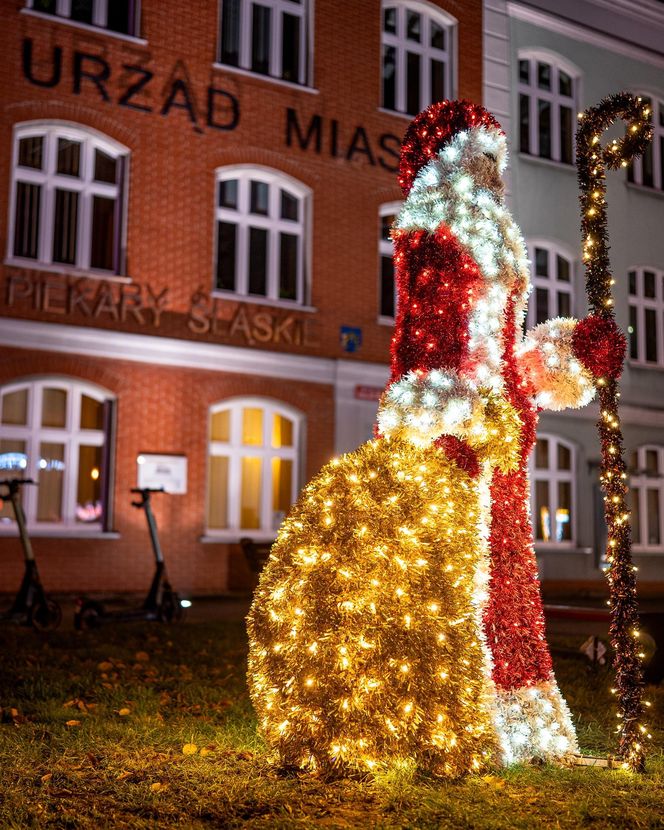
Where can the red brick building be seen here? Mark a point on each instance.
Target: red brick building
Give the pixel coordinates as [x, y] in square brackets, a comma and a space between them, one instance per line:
[193, 216]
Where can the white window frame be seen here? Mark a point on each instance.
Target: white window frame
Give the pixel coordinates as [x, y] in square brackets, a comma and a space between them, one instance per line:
[552, 96]
[84, 185]
[276, 181]
[640, 302]
[551, 283]
[553, 475]
[657, 105]
[278, 7]
[639, 483]
[72, 436]
[99, 15]
[402, 44]
[235, 450]
[386, 249]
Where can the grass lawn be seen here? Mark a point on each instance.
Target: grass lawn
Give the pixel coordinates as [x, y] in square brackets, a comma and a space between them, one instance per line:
[144, 726]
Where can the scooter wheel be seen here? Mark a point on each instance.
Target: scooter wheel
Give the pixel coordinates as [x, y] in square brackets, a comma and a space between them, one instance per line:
[45, 615]
[88, 616]
[170, 610]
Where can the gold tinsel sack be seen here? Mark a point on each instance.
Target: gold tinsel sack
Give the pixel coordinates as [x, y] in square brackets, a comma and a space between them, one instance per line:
[365, 643]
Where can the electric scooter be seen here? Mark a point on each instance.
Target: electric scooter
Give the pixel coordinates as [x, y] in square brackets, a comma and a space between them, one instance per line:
[31, 606]
[162, 604]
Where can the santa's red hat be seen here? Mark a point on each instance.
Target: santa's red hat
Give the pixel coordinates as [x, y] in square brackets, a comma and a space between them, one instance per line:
[432, 129]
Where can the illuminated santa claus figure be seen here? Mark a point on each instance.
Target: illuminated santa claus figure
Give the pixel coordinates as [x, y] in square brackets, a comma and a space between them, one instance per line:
[399, 617]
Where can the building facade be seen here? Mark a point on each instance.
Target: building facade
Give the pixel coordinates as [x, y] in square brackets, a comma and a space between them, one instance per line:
[196, 284]
[544, 63]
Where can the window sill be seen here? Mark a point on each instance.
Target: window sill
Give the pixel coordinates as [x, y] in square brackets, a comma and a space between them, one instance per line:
[263, 301]
[642, 188]
[385, 321]
[64, 271]
[60, 533]
[637, 364]
[552, 163]
[653, 551]
[86, 27]
[561, 547]
[232, 537]
[399, 114]
[247, 73]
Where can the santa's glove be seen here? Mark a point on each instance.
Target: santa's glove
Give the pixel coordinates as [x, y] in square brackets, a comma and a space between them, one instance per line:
[496, 437]
[599, 345]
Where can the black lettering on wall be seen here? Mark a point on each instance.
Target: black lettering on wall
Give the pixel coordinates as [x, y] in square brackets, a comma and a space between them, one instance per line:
[293, 126]
[385, 141]
[133, 89]
[56, 67]
[232, 110]
[360, 144]
[102, 74]
[179, 87]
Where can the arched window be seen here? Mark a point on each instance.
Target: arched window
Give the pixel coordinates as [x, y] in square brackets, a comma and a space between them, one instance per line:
[56, 431]
[67, 200]
[646, 316]
[270, 37]
[262, 224]
[648, 169]
[548, 94]
[387, 296]
[647, 495]
[553, 282]
[253, 465]
[418, 55]
[553, 490]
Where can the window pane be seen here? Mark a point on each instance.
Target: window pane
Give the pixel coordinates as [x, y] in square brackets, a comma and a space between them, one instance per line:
[543, 76]
[390, 20]
[562, 265]
[564, 457]
[636, 515]
[46, 6]
[218, 492]
[661, 155]
[119, 19]
[258, 261]
[88, 492]
[542, 517]
[282, 431]
[437, 36]
[563, 512]
[647, 167]
[69, 157]
[541, 305]
[15, 407]
[652, 467]
[228, 193]
[389, 80]
[413, 25]
[54, 408]
[226, 245]
[289, 206]
[51, 476]
[652, 497]
[651, 334]
[632, 282]
[26, 230]
[633, 333]
[30, 151]
[250, 493]
[291, 48]
[541, 262]
[437, 80]
[106, 168]
[92, 413]
[564, 309]
[524, 123]
[648, 284]
[566, 134]
[412, 82]
[282, 488]
[220, 425]
[386, 223]
[230, 32]
[252, 426]
[542, 454]
[81, 10]
[13, 464]
[387, 286]
[564, 84]
[64, 226]
[288, 256]
[259, 198]
[544, 128]
[102, 247]
[260, 38]
[524, 71]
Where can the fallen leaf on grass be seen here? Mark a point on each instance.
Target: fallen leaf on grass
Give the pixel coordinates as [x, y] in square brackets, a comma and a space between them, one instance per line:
[123, 775]
[142, 656]
[124, 712]
[45, 778]
[205, 751]
[158, 787]
[73, 723]
[189, 749]
[105, 666]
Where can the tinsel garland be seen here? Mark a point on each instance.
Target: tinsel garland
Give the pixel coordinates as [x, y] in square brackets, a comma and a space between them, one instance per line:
[592, 159]
[600, 346]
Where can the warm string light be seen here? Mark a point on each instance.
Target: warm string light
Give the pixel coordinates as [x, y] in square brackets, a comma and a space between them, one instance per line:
[592, 160]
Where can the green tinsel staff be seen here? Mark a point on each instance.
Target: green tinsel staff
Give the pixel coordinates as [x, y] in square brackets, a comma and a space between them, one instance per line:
[592, 161]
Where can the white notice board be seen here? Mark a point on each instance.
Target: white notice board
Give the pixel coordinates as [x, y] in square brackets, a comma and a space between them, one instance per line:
[167, 471]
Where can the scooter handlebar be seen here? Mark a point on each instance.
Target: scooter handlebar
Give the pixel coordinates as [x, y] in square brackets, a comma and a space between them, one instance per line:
[15, 482]
[147, 490]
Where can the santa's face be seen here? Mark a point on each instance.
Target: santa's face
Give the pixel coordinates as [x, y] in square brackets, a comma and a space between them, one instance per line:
[483, 167]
